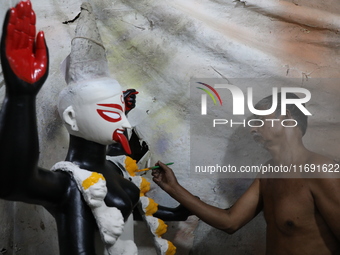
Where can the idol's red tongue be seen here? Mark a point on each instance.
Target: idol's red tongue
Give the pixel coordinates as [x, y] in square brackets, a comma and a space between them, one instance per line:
[121, 138]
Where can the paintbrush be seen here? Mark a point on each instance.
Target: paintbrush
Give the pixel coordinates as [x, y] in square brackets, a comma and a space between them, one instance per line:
[153, 167]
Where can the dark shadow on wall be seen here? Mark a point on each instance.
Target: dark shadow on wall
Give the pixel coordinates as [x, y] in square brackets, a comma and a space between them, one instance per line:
[250, 239]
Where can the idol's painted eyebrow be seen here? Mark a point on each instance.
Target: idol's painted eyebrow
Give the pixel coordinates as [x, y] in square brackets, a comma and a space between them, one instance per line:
[117, 106]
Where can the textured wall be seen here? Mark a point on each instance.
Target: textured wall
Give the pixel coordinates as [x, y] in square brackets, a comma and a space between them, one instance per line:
[156, 47]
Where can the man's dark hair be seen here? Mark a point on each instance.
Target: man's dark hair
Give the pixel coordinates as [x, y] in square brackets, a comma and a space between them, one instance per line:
[295, 112]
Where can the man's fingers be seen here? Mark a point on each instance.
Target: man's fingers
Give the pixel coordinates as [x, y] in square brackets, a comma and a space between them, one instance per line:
[156, 180]
[163, 166]
[155, 173]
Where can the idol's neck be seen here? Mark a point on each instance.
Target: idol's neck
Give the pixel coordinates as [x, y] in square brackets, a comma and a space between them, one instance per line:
[88, 155]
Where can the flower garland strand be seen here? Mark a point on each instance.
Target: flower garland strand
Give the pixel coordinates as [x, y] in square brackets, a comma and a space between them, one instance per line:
[148, 206]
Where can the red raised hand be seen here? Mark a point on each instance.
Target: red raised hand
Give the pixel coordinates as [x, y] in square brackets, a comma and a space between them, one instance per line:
[28, 59]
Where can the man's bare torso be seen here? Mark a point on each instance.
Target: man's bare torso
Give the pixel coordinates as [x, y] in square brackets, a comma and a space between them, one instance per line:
[294, 224]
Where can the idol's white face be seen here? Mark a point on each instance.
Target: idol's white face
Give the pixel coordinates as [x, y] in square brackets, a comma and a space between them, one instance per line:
[100, 114]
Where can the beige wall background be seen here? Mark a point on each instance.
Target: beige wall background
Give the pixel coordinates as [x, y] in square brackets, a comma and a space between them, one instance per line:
[156, 47]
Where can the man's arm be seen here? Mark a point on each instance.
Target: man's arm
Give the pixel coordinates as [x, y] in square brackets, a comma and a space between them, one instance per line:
[326, 193]
[229, 220]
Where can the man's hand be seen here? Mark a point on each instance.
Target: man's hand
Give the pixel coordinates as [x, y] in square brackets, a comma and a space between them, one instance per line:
[164, 177]
[24, 60]
[130, 99]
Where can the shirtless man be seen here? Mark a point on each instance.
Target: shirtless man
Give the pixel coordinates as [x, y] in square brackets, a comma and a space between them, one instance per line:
[302, 214]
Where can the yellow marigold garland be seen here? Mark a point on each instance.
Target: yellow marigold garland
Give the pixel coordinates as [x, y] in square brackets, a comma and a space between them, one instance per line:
[152, 207]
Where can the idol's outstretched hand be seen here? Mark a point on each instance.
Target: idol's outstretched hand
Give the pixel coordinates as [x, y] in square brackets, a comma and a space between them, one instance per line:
[24, 58]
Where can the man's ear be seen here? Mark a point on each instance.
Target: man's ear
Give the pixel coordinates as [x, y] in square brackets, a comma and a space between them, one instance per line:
[69, 117]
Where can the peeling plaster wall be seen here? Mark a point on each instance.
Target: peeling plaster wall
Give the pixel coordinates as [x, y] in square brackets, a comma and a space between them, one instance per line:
[156, 47]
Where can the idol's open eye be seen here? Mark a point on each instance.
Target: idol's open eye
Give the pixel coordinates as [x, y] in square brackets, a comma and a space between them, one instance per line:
[109, 115]
[112, 116]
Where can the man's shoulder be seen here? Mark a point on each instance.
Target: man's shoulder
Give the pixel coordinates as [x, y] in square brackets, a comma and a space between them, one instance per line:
[323, 167]
[323, 187]
[327, 171]
[318, 159]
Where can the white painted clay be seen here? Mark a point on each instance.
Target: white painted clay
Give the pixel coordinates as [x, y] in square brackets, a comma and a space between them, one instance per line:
[162, 245]
[79, 106]
[153, 223]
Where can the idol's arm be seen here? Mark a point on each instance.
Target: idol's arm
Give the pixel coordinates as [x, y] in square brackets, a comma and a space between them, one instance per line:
[179, 213]
[24, 62]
